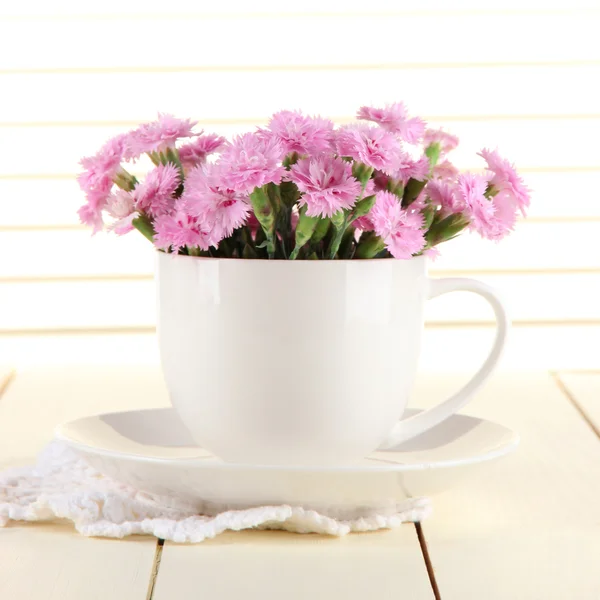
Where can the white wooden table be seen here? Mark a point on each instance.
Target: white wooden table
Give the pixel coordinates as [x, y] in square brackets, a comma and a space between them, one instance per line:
[526, 528]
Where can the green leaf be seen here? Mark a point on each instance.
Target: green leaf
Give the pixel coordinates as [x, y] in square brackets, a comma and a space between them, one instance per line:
[312, 256]
[264, 244]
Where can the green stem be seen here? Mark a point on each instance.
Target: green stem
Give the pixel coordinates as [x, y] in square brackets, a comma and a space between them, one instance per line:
[144, 225]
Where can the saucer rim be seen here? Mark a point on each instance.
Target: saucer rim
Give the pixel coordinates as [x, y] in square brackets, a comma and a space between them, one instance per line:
[199, 462]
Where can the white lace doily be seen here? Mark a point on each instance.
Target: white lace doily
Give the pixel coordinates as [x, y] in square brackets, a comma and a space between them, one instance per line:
[63, 486]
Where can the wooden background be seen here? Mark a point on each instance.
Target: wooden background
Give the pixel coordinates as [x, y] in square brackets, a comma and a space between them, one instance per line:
[519, 76]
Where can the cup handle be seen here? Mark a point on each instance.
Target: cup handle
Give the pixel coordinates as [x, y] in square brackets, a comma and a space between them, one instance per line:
[413, 426]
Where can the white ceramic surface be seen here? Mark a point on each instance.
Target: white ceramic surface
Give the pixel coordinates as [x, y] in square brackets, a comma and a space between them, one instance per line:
[300, 362]
[153, 451]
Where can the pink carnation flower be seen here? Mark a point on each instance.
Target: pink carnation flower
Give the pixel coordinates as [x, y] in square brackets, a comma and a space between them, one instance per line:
[446, 140]
[432, 253]
[401, 230]
[394, 118]
[363, 223]
[326, 183]
[90, 213]
[196, 152]
[207, 196]
[410, 169]
[180, 229]
[100, 169]
[445, 170]
[121, 206]
[445, 195]
[506, 179]
[299, 133]
[97, 180]
[158, 135]
[477, 207]
[372, 146]
[155, 194]
[252, 161]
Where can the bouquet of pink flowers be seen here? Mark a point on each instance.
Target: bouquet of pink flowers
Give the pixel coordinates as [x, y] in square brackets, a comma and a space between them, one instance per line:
[299, 189]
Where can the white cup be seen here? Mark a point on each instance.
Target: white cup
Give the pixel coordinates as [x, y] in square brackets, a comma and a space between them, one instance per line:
[301, 362]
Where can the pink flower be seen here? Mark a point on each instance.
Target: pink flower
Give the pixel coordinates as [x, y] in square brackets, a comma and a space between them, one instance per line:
[252, 161]
[401, 230]
[100, 169]
[155, 194]
[506, 179]
[90, 213]
[432, 253]
[299, 133]
[97, 180]
[505, 216]
[410, 169]
[207, 196]
[363, 223]
[327, 185]
[121, 206]
[372, 146]
[445, 170]
[446, 140]
[477, 207]
[158, 135]
[394, 118]
[180, 229]
[196, 152]
[445, 195]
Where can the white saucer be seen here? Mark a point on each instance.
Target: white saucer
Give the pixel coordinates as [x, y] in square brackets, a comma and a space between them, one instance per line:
[153, 451]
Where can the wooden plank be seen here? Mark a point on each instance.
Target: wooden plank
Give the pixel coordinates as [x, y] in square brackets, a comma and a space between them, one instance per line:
[41, 398]
[531, 144]
[532, 246]
[132, 303]
[526, 527]
[198, 37]
[54, 202]
[443, 348]
[51, 562]
[583, 389]
[274, 565]
[90, 98]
